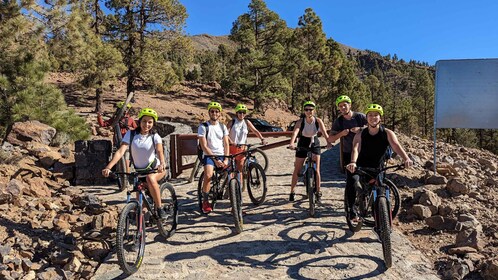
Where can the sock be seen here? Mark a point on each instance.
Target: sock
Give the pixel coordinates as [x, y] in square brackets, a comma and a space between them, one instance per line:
[205, 196]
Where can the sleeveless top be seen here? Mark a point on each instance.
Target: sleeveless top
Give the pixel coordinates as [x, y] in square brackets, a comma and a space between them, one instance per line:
[238, 132]
[309, 129]
[373, 148]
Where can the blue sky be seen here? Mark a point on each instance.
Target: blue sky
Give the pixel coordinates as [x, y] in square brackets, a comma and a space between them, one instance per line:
[422, 30]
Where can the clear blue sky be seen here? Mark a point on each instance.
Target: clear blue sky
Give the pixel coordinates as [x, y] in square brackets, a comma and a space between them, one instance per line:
[424, 30]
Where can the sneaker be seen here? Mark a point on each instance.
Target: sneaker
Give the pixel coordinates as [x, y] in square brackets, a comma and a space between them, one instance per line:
[291, 196]
[319, 197]
[162, 213]
[206, 207]
[353, 216]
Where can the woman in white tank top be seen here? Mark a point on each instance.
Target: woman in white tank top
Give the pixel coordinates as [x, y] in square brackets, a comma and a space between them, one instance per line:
[238, 129]
[308, 138]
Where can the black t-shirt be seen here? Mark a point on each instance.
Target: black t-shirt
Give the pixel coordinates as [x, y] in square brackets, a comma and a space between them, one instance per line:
[358, 120]
[373, 148]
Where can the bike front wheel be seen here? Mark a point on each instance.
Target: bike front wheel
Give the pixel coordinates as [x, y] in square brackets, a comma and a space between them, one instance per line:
[130, 238]
[384, 230]
[236, 202]
[310, 189]
[167, 226]
[353, 225]
[256, 183]
[261, 158]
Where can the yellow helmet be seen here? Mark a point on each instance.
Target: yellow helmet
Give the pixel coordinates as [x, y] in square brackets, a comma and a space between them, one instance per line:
[374, 108]
[214, 105]
[240, 107]
[148, 112]
[121, 103]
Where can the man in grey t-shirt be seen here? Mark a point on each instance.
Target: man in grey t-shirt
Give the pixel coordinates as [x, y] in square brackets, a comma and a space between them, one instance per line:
[213, 139]
[345, 128]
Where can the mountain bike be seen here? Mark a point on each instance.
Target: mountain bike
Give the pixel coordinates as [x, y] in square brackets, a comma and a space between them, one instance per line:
[254, 175]
[225, 183]
[377, 203]
[310, 174]
[131, 229]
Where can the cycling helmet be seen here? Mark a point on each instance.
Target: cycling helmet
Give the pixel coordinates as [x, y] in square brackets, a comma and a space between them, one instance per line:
[309, 103]
[240, 107]
[374, 108]
[148, 112]
[342, 98]
[214, 105]
[121, 103]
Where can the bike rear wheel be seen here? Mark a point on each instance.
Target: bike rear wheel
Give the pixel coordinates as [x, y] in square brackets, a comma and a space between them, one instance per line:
[310, 189]
[236, 203]
[212, 197]
[256, 183]
[384, 230]
[123, 182]
[261, 158]
[169, 202]
[394, 198]
[130, 238]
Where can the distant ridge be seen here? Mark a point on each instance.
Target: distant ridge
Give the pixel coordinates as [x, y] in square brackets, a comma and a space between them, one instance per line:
[205, 42]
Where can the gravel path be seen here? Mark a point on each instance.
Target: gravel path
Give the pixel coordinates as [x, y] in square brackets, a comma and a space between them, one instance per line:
[279, 241]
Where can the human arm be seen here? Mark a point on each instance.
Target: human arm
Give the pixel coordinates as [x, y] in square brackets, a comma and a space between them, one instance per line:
[337, 132]
[294, 134]
[101, 121]
[393, 141]
[226, 149]
[324, 132]
[355, 152]
[160, 154]
[258, 134]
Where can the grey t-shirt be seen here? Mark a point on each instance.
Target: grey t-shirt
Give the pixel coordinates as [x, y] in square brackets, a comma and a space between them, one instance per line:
[347, 141]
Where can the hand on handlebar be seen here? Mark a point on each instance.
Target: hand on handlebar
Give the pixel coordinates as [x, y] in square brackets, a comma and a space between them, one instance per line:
[106, 172]
[351, 167]
[408, 162]
[291, 147]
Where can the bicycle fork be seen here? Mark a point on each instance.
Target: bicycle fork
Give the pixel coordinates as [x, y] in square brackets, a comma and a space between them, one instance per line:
[384, 192]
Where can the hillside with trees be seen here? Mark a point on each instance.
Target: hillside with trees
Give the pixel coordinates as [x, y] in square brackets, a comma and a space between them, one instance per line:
[144, 43]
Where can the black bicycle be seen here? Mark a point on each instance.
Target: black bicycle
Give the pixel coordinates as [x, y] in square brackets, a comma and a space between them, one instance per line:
[219, 190]
[254, 175]
[377, 204]
[310, 174]
[131, 229]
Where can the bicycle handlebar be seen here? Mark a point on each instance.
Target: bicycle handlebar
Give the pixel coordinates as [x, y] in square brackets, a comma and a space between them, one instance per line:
[306, 149]
[135, 173]
[368, 170]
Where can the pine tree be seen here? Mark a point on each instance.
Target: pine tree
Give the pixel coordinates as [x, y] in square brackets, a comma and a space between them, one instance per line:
[262, 37]
[143, 30]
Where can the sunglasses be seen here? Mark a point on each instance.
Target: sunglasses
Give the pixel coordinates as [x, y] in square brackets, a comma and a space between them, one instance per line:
[214, 111]
[241, 112]
[308, 110]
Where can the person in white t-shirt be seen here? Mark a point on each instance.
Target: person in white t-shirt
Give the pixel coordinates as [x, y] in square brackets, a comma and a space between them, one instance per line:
[146, 153]
[213, 139]
[237, 136]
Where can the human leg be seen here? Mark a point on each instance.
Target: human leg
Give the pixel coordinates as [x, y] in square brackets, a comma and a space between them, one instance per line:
[298, 163]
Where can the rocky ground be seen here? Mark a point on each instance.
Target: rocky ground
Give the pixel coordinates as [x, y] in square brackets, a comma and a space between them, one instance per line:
[49, 229]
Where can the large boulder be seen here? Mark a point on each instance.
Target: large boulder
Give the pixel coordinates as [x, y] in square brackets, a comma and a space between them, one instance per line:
[24, 132]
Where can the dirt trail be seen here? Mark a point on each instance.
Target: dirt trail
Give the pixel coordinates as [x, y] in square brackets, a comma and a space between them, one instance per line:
[280, 240]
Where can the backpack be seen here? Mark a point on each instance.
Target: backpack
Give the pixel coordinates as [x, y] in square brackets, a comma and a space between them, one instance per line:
[132, 135]
[302, 126]
[200, 152]
[356, 117]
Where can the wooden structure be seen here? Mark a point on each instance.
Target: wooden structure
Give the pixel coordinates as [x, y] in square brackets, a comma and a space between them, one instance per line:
[186, 145]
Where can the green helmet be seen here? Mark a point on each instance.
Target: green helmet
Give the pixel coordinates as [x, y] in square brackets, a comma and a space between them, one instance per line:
[121, 103]
[309, 103]
[240, 107]
[214, 105]
[342, 98]
[374, 108]
[148, 112]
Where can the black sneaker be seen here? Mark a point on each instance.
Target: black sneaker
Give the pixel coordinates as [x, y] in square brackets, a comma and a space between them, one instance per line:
[161, 213]
[319, 197]
[291, 196]
[353, 215]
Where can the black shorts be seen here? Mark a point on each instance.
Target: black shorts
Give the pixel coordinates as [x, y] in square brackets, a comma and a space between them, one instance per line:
[305, 142]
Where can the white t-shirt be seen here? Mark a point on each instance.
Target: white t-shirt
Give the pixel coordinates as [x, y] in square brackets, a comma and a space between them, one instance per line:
[215, 137]
[238, 132]
[142, 149]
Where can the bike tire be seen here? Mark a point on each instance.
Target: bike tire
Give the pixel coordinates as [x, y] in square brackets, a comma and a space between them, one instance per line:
[211, 197]
[353, 226]
[169, 202]
[261, 158]
[394, 200]
[123, 182]
[384, 230]
[236, 203]
[130, 238]
[310, 190]
[256, 183]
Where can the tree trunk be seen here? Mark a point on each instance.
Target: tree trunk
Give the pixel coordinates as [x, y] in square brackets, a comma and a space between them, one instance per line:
[99, 97]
